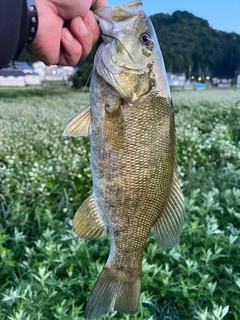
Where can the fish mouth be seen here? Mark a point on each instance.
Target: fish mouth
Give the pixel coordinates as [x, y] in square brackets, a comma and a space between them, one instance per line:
[119, 13]
[111, 21]
[116, 60]
[125, 13]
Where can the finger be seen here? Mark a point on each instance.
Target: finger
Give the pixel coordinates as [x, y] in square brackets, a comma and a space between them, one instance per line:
[91, 21]
[72, 8]
[82, 33]
[100, 3]
[71, 51]
[86, 31]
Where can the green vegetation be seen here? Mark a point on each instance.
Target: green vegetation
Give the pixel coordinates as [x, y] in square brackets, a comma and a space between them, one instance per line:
[40, 91]
[46, 273]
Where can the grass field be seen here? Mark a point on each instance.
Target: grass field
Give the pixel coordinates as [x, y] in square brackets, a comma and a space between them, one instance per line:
[46, 273]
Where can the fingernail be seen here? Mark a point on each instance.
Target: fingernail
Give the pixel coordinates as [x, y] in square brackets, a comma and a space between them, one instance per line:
[91, 21]
[82, 28]
[68, 36]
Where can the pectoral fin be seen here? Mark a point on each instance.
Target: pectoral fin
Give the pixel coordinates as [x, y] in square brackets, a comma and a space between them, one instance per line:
[87, 222]
[79, 125]
[167, 229]
[114, 128]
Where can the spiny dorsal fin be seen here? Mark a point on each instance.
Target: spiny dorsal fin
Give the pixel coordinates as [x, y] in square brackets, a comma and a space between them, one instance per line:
[79, 125]
[167, 229]
[87, 222]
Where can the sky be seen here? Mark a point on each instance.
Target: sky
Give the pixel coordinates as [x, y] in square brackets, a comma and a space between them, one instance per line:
[221, 14]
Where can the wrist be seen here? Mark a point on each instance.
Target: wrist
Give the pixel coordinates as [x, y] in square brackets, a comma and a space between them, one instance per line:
[32, 20]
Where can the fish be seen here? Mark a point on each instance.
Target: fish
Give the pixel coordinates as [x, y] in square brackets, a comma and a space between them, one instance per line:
[135, 186]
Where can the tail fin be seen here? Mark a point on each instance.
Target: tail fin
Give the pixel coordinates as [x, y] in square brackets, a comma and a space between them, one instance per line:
[113, 292]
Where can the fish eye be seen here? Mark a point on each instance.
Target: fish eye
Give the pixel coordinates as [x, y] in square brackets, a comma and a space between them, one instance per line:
[146, 39]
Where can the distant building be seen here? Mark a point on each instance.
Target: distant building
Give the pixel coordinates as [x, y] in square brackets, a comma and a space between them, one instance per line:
[26, 68]
[54, 73]
[39, 67]
[70, 71]
[11, 77]
[21, 74]
[238, 81]
[33, 79]
[176, 79]
[223, 82]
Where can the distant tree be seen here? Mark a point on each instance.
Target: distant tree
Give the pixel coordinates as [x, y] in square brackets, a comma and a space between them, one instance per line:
[25, 56]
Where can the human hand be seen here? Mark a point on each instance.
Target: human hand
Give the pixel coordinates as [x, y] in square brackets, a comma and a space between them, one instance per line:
[67, 31]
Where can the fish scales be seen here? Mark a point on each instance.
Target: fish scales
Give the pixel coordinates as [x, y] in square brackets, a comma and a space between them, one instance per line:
[134, 171]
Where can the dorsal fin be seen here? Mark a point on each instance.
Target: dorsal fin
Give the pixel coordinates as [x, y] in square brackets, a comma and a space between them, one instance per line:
[79, 125]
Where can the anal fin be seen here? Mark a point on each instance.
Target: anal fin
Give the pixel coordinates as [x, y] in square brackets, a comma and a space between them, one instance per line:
[167, 229]
[79, 125]
[87, 222]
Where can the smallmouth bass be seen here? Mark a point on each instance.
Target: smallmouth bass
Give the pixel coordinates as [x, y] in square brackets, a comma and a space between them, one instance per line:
[133, 161]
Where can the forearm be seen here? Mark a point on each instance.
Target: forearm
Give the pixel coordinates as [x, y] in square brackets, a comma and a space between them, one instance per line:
[65, 30]
[13, 29]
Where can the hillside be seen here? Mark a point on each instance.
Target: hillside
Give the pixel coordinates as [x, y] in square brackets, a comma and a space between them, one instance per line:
[187, 40]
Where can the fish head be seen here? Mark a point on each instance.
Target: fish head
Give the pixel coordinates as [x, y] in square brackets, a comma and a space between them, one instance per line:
[129, 57]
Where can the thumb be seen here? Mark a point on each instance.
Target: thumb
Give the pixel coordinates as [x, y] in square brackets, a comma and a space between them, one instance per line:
[100, 3]
[68, 9]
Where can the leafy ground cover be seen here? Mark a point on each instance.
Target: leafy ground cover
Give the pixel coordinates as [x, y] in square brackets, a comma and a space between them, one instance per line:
[46, 273]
